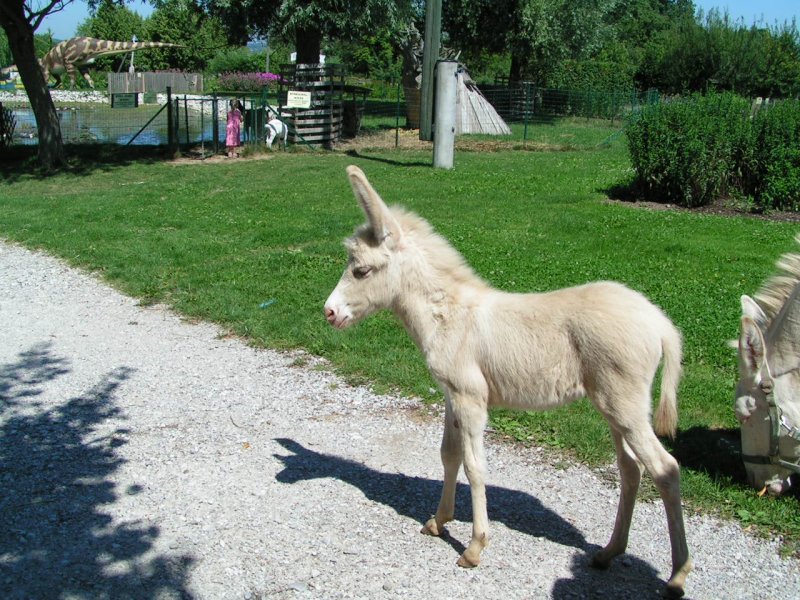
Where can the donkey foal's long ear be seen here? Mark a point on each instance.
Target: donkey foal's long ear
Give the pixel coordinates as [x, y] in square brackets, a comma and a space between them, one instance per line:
[378, 215]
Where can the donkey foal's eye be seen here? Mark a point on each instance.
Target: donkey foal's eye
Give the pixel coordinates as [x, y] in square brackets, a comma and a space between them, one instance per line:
[361, 272]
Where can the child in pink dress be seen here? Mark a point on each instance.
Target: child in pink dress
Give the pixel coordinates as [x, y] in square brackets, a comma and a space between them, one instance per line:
[233, 128]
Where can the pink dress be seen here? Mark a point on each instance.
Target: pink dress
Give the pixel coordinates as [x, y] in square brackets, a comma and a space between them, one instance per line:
[233, 127]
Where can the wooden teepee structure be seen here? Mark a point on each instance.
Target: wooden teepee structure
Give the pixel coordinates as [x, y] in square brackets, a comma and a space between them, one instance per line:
[474, 113]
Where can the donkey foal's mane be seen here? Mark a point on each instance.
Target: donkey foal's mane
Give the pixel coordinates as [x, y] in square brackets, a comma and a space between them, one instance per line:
[440, 254]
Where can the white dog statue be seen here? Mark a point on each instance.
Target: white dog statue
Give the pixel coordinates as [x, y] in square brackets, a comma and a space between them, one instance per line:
[277, 129]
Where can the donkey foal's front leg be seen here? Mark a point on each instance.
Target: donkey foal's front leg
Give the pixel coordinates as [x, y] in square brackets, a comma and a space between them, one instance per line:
[452, 456]
[465, 419]
[470, 420]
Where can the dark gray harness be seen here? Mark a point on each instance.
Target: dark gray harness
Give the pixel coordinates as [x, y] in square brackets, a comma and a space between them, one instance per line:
[777, 422]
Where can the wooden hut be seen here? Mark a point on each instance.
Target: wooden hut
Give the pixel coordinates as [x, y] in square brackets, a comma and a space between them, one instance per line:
[320, 121]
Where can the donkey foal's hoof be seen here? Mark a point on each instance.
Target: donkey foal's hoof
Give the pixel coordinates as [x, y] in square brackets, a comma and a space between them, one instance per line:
[431, 528]
[600, 560]
[674, 587]
[673, 591]
[466, 562]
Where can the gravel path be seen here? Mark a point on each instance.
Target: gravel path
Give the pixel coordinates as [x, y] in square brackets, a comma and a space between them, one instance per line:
[142, 456]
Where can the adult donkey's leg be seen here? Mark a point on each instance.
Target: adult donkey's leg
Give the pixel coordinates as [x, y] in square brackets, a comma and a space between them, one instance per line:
[630, 473]
[452, 455]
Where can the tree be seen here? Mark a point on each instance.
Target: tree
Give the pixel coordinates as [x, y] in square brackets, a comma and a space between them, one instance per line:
[308, 22]
[112, 21]
[183, 22]
[375, 55]
[180, 22]
[698, 53]
[5, 51]
[539, 34]
[20, 21]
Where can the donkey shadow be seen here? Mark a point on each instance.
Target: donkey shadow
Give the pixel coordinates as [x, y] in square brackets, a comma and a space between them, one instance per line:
[715, 452]
[417, 497]
[718, 453]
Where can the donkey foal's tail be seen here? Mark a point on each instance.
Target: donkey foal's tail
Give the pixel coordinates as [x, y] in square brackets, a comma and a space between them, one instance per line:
[666, 418]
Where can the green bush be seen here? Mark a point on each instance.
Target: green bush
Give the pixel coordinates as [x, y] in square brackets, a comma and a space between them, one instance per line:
[232, 60]
[688, 151]
[772, 158]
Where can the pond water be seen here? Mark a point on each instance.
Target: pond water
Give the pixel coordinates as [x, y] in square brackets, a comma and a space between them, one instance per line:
[87, 124]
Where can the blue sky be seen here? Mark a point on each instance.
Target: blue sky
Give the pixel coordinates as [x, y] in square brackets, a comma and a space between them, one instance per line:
[64, 23]
[755, 10]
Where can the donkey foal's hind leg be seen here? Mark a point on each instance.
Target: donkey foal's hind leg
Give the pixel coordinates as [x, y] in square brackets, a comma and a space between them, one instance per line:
[665, 472]
[630, 471]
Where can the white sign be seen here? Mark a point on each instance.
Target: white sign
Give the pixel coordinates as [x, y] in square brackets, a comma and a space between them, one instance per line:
[295, 99]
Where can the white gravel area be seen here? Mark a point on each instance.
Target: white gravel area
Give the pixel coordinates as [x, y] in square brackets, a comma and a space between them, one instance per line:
[92, 96]
[144, 456]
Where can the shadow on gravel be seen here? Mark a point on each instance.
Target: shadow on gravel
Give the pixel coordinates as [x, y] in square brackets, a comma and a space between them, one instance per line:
[55, 539]
[628, 578]
[417, 498]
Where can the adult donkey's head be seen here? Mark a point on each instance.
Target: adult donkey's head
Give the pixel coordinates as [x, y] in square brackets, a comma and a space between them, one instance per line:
[372, 277]
[767, 399]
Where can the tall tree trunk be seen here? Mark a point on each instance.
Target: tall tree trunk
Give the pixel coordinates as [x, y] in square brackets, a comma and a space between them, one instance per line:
[20, 39]
[309, 43]
[515, 72]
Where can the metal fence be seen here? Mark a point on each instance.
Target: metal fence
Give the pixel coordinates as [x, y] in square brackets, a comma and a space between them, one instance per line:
[181, 120]
[535, 115]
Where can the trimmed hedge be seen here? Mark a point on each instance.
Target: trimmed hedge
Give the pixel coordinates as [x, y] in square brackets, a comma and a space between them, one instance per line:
[692, 151]
[773, 158]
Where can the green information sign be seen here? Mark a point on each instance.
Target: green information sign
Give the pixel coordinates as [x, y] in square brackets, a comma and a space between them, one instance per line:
[124, 100]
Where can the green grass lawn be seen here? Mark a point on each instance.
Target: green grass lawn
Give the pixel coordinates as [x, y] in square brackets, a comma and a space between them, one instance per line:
[216, 241]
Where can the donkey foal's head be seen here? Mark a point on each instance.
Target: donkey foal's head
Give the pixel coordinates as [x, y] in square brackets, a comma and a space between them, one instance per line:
[372, 277]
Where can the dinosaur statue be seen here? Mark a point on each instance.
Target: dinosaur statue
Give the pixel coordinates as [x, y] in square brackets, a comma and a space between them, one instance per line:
[73, 55]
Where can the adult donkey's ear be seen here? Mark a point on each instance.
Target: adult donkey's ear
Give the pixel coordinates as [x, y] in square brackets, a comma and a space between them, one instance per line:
[751, 347]
[383, 224]
[751, 309]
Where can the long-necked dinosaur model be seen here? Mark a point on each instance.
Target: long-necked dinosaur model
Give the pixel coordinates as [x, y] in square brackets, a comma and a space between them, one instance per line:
[74, 55]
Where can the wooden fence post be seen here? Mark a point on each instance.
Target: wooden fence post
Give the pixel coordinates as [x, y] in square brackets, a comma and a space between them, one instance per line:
[215, 121]
[172, 134]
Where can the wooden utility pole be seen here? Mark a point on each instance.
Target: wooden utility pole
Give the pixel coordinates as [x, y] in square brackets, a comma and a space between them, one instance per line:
[430, 54]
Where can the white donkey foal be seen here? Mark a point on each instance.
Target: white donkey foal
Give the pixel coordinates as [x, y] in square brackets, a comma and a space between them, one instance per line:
[488, 348]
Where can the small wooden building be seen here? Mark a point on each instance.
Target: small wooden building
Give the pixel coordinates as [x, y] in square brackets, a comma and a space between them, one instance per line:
[321, 122]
